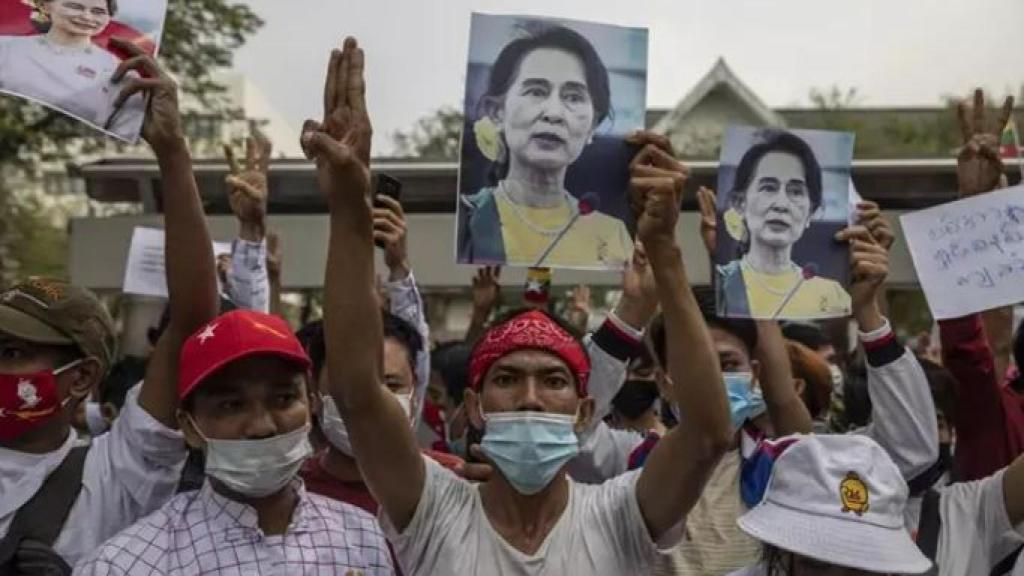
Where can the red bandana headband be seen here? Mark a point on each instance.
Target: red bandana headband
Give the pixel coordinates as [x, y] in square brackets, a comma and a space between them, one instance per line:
[532, 330]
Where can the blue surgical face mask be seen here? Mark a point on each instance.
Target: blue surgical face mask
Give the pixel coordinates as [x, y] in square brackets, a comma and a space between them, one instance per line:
[529, 447]
[745, 402]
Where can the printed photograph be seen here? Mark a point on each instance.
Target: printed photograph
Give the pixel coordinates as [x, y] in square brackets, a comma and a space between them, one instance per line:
[782, 197]
[58, 53]
[544, 165]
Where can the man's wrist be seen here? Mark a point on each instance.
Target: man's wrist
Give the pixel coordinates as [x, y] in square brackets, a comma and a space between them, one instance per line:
[398, 271]
[252, 231]
[869, 318]
[170, 149]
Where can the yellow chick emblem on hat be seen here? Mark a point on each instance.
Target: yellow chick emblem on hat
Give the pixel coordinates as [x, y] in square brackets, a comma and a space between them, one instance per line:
[854, 494]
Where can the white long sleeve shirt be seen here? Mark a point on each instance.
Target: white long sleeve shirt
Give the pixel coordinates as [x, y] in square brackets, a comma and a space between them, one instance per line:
[129, 472]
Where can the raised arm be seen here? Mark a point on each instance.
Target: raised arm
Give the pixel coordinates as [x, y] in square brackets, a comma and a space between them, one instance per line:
[378, 428]
[486, 294]
[191, 271]
[675, 472]
[249, 281]
[390, 230]
[786, 409]
[903, 417]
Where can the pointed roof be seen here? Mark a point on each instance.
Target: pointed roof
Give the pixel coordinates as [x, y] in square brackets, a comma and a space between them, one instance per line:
[720, 76]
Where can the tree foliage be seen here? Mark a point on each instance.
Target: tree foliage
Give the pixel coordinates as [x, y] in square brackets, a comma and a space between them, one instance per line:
[434, 137]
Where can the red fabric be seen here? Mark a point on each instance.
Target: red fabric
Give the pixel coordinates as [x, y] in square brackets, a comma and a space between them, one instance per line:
[989, 416]
[531, 330]
[16, 20]
[433, 419]
[232, 336]
[27, 401]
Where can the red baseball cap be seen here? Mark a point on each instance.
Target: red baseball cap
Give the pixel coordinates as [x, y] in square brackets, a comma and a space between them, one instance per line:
[232, 336]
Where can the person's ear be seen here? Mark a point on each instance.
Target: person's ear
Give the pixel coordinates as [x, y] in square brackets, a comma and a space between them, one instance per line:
[83, 379]
[474, 411]
[494, 108]
[800, 385]
[188, 430]
[109, 412]
[755, 370]
[583, 414]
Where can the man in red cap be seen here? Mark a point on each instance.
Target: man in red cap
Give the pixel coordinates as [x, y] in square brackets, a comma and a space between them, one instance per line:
[59, 502]
[529, 380]
[245, 402]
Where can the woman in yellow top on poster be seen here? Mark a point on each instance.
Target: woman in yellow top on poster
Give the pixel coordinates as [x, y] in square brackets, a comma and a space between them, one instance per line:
[775, 195]
[547, 94]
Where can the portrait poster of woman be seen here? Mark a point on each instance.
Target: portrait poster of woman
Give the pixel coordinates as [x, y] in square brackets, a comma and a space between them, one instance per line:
[782, 197]
[544, 164]
[58, 53]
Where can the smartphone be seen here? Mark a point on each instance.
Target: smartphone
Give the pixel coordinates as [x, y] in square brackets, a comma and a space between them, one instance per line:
[386, 186]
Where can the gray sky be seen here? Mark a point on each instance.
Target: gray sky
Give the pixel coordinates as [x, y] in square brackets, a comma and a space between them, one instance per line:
[895, 52]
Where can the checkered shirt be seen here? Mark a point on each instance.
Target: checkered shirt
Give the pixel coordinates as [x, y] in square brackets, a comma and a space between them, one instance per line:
[203, 532]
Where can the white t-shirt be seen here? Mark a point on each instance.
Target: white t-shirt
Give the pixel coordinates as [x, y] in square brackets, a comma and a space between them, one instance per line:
[601, 533]
[129, 472]
[976, 532]
[75, 80]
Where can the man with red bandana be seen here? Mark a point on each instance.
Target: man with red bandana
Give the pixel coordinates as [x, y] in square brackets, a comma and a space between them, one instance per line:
[528, 393]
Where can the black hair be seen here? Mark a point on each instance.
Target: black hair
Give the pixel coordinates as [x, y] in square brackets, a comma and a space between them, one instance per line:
[125, 374]
[451, 361]
[743, 328]
[311, 336]
[777, 562]
[1018, 357]
[773, 140]
[635, 397]
[810, 335]
[943, 386]
[539, 35]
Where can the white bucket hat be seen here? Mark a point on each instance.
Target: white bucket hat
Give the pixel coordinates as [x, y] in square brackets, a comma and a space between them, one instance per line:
[837, 499]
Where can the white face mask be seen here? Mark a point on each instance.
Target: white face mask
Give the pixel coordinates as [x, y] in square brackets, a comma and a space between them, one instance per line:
[257, 468]
[334, 427]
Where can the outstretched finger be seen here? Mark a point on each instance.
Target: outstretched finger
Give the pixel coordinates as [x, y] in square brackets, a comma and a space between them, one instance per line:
[308, 127]
[706, 201]
[331, 83]
[229, 154]
[645, 137]
[135, 86]
[143, 64]
[979, 110]
[250, 153]
[341, 75]
[265, 152]
[356, 96]
[966, 131]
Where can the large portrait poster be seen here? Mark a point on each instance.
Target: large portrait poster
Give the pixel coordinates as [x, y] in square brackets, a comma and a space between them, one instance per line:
[544, 166]
[782, 197]
[58, 53]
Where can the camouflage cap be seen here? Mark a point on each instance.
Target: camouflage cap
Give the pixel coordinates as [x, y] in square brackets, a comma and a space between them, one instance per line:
[51, 311]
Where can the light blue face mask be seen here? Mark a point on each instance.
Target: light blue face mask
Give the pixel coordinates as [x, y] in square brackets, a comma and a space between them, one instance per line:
[744, 402]
[529, 447]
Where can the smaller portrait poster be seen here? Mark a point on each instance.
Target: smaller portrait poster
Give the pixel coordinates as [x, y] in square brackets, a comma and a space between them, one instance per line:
[544, 164]
[782, 197]
[58, 53]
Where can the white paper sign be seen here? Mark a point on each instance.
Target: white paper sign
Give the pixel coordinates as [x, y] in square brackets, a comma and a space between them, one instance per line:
[145, 273]
[969, 254]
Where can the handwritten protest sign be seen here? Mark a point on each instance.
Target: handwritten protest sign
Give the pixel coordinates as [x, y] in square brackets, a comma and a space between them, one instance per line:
[969, 254]
[145, 274]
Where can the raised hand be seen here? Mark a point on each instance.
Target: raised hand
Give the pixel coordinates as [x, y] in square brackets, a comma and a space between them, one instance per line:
[870, 216]
[341, 143]
[247, 187]
[656, 189]
[979, 166]
[274, 255]
[162, 126]
[389, 230]
[708, 218]
[869, 267]
[486, 289]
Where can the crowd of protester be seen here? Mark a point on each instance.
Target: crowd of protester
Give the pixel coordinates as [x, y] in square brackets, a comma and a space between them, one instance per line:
[665, 441]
